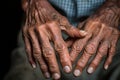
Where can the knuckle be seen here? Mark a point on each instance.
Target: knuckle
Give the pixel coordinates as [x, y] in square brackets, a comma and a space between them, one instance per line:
[60, 47]
[83, 60]
[48, 52]
[43, 67]
[90, 48]
[103, 49]
[26, 31]
[36, 50]
[76, 47]
[53, 68]
[81, 63]
[97, 60]
[38, 56]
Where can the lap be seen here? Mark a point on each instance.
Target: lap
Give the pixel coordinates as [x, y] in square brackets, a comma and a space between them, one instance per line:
[21, 69]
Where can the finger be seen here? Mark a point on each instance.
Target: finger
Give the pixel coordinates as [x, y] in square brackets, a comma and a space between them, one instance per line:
[81, 24]
[74, 32]
[102, 51]
[69, 42]
[37, 53]
[60, 47]
[28, 48]
[77, 47]
[111, 50]
[62, 50]
[49, 53]
[90, 50]
[70, 30]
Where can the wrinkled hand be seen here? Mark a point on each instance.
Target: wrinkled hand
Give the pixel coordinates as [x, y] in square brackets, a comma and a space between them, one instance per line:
[42, 27]
[100, 41]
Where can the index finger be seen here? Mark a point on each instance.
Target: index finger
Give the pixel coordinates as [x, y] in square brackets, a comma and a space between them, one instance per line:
[48, 53]
[61, 47]
[70, 30]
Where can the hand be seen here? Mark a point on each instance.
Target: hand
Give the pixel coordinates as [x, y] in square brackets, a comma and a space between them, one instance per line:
[100, 42]
[42, 28]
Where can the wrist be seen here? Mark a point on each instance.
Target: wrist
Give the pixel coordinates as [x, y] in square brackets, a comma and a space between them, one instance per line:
[25, 4]
[108, 13]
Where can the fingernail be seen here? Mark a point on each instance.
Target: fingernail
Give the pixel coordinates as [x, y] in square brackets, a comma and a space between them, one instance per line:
[83, 32]
[67, 69]
[56, 76]
[106, 67]
[47, 75]
[90, 70]
[77, 72]
[33, 65]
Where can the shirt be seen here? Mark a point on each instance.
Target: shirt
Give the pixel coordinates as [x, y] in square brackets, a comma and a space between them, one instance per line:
[76, 9]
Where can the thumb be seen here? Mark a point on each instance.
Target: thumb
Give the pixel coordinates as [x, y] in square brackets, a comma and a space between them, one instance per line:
[71, 30]
[74, 32]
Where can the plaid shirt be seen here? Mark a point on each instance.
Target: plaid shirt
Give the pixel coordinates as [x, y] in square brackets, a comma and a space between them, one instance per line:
[75, 9]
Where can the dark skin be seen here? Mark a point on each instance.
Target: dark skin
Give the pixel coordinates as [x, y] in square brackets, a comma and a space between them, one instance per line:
[44, 25]
[103, 34]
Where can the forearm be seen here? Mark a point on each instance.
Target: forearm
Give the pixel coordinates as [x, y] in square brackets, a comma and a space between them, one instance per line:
[41, 6]
[116, 1]
[38, 3]
[109, 13]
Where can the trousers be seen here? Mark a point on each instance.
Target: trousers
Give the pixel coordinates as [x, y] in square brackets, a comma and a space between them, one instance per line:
[22, 70]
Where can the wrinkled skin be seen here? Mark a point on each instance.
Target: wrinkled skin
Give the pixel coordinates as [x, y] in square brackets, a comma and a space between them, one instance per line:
[43, 26]
[101, 39]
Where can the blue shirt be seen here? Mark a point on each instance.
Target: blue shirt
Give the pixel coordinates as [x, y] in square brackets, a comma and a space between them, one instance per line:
[76, 9]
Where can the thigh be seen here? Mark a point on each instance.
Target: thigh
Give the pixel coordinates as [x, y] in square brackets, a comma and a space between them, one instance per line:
[112, 73]
[22, 70]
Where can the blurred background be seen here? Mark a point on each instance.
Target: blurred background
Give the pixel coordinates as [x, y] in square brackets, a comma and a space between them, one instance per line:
[11, 21]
